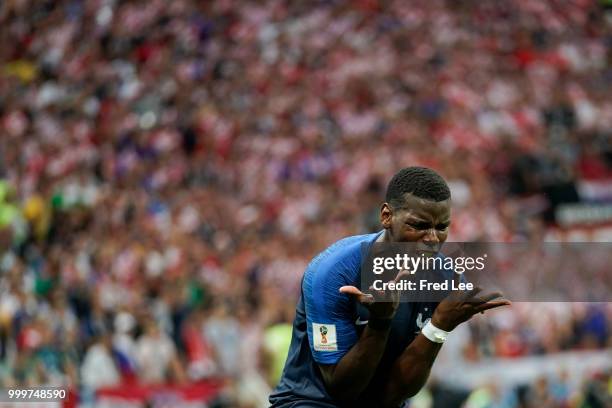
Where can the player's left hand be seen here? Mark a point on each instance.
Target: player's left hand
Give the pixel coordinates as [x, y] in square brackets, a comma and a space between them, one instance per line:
[460, 306]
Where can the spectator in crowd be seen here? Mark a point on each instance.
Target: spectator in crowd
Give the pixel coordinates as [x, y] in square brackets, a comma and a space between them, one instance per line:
[99, 368]
[156, 355]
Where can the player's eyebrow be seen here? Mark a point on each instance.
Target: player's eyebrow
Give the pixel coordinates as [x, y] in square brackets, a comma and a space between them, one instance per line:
[418, 216]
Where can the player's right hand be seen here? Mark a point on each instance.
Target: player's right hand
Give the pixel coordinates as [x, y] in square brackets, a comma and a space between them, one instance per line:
[381, 304]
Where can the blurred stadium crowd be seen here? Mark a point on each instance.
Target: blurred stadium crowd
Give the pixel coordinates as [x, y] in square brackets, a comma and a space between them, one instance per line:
[169, 168]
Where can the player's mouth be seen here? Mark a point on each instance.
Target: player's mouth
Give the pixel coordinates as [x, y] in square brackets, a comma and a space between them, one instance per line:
[428, 251]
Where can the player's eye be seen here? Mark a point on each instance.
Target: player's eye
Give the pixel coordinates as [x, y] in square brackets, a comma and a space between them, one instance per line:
[419, 225]
[442, 227]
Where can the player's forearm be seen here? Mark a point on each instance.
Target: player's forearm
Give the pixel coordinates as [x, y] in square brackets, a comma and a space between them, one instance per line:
[411, 370]
[350, 376]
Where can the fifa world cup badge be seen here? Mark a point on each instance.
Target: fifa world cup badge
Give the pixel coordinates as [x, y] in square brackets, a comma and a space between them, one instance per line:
[323, 331]
[324, 337]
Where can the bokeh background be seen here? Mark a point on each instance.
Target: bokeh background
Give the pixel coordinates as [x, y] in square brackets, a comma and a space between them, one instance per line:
[168, 169]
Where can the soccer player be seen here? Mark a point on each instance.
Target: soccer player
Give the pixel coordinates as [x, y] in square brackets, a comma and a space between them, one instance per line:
[354, 348]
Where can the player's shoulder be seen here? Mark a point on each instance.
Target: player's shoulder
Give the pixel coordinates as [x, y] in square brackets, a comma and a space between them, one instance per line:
[343, 256]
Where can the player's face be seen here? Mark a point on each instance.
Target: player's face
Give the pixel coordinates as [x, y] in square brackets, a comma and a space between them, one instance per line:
[418, 220]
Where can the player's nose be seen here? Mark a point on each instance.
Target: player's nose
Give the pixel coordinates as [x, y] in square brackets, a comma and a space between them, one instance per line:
[431, 239]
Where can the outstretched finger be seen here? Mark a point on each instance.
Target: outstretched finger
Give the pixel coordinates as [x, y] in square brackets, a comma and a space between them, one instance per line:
[356, 293]
[401, 275]
[487, 297]
[492, 305]
[467, 296]
[350, 290]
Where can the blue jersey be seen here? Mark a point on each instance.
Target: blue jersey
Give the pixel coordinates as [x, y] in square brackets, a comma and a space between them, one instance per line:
[328, 323]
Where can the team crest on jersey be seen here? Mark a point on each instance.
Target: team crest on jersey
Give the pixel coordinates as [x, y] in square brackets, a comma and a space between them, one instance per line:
[324, 336]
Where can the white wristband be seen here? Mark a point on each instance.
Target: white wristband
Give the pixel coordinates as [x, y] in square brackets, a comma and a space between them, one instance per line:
[434, 334]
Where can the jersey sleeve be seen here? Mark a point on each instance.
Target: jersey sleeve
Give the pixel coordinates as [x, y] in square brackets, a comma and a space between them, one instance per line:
[329, 313]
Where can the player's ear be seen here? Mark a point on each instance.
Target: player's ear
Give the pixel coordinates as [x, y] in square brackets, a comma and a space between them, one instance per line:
[386, 213]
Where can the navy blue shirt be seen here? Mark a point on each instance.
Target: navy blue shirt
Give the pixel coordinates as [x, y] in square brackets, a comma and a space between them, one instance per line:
[328, 323]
